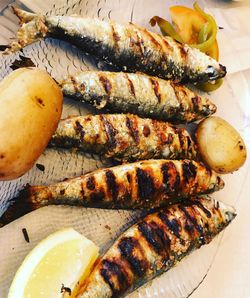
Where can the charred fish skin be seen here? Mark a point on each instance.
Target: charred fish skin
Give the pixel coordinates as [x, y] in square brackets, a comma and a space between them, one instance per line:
[154, 245]
[124, 137]
[138, 93]
[130, 47]
[140, 185]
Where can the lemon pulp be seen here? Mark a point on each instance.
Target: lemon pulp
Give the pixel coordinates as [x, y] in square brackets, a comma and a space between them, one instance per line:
[64, 258]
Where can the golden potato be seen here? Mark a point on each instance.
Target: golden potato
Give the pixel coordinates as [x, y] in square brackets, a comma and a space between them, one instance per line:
[30, 108]
[220, 145]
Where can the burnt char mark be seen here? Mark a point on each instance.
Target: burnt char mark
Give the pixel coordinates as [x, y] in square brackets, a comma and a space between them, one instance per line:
[156, 237]
[112, 186]
[97, 198]
[175, 86]
[145, 184]
[165, 174]
[181, 137]
[172, 225]
[171, 177]
[116, 38]
[130, 85]
[167, 46]
[199, 205]
[153, 41]
[183, 53]
[155, 85]
[196, 103]
[110, 131]
[189, 171]
[131, 250]
[113, 274]
[107, 86]
[138, 43]
[146, 131]
[91, 183]
[131, 124]
[79, 130]
[82, 190]
[191, 222]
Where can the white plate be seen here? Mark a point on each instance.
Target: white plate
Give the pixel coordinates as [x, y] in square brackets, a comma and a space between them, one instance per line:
[103, 226]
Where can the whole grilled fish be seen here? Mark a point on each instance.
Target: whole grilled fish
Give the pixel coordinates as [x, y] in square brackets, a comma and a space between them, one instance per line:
[124, 137]
[144, 184]
[130, 47]
[138, 94]
[154, 245]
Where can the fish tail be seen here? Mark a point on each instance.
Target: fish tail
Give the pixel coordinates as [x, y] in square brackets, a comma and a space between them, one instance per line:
[32, 28]
[20, 205]
[23, 16]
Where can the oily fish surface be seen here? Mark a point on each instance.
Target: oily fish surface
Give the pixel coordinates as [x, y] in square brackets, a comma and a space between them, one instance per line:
[30, 108]
[220, 145]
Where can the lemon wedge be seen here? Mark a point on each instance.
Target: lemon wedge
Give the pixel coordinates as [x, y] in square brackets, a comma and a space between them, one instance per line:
[61, 259]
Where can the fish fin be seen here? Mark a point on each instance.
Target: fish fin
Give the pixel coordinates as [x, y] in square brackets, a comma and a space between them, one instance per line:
[18, 207]
[32, 28]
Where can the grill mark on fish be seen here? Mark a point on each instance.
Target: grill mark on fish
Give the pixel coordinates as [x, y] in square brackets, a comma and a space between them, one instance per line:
[128, 177]
[152, 39]
[155, 85]
[130, 85]
[172, 225]
[97, 198]
[79, 130]
[112, 185]
[171, 177]
[165, 175]
[170, 139]
[174, 85]
[82, 191]
[115, 37]
[189, 171]
[110, 131]
[191, 220]
[91, 183]
[110, 269]
[145, 184]
[166, 44]
[196, 103]
[131, 124]
[107, 86]
[139, 42]
[129, 248]
[183, 53]
[156, 237]
[199, 205]
[146, 131]
[182, 138]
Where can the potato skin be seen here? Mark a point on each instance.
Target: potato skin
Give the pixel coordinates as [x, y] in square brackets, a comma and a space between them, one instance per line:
[220, 145]
[30, 109]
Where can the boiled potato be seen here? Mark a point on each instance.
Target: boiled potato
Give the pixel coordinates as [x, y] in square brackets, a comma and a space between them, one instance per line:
[220, 145]
[30, 108]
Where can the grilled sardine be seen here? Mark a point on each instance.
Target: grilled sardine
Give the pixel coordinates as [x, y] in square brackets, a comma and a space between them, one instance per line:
[144, 184]
[154, 245]
[130, 47]
[124, 137]
[138, 94]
